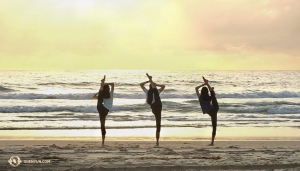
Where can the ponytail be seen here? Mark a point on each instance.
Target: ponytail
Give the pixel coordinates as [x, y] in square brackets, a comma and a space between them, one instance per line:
[106, 93]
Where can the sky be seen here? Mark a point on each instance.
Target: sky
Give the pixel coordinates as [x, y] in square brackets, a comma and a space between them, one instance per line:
[143, 35]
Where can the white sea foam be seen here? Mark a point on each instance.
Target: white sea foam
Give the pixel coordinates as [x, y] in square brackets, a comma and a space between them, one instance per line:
[259, 98]
[261, 94]
[136, 108]
[178, 95]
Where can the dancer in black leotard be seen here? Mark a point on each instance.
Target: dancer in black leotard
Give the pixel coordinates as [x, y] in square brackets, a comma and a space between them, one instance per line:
[153, 99]
[104, 105]
[206, 106]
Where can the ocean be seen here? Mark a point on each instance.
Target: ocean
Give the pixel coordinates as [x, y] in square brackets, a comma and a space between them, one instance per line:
[62, 100]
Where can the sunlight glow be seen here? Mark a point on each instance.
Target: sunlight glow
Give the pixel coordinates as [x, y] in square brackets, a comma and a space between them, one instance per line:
[164, 35]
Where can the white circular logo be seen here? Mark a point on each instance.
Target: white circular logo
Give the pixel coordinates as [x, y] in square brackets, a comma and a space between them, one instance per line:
[14, 161]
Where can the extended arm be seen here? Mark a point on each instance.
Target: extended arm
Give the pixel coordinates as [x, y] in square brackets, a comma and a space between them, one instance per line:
[197, 90]
[143, 84]
[162, 87]
[95, 96]
[112, 85]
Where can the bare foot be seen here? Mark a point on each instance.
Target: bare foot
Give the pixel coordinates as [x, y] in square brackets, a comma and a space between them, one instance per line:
[103, 80]
[102, 83]
[205, 80]
[150, 77]
[157, 143]
[210, 144]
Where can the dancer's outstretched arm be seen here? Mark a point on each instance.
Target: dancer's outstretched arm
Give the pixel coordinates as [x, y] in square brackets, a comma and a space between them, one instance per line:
[112, 85]
[197, 90]
[162, 87]
[143, 84]
[95, 96]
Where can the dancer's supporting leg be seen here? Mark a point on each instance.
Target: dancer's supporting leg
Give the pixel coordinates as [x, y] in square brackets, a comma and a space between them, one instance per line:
[103, 131]
[102, 114]
[156, 110]
[213, 115]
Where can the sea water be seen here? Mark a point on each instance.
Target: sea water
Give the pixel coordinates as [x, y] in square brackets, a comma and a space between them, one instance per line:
[62, 100]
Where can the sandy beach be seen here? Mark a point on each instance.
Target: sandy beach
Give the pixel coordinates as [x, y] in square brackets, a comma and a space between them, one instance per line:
[143, 155]
[49, 121]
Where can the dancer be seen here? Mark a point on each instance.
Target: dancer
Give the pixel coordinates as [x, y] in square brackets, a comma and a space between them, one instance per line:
[207, 107]
[154, 101]
[104, 105]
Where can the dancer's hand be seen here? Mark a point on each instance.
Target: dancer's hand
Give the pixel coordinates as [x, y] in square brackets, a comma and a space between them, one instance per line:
[143, 83]
[199, 86]
[96, 95]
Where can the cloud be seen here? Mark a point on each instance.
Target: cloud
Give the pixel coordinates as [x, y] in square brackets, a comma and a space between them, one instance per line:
[164, 30]
[228, 26]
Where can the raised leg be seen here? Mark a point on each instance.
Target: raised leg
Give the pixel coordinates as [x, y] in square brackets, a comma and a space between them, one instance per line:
[214, 101]
[156, 96]
[100, 97]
